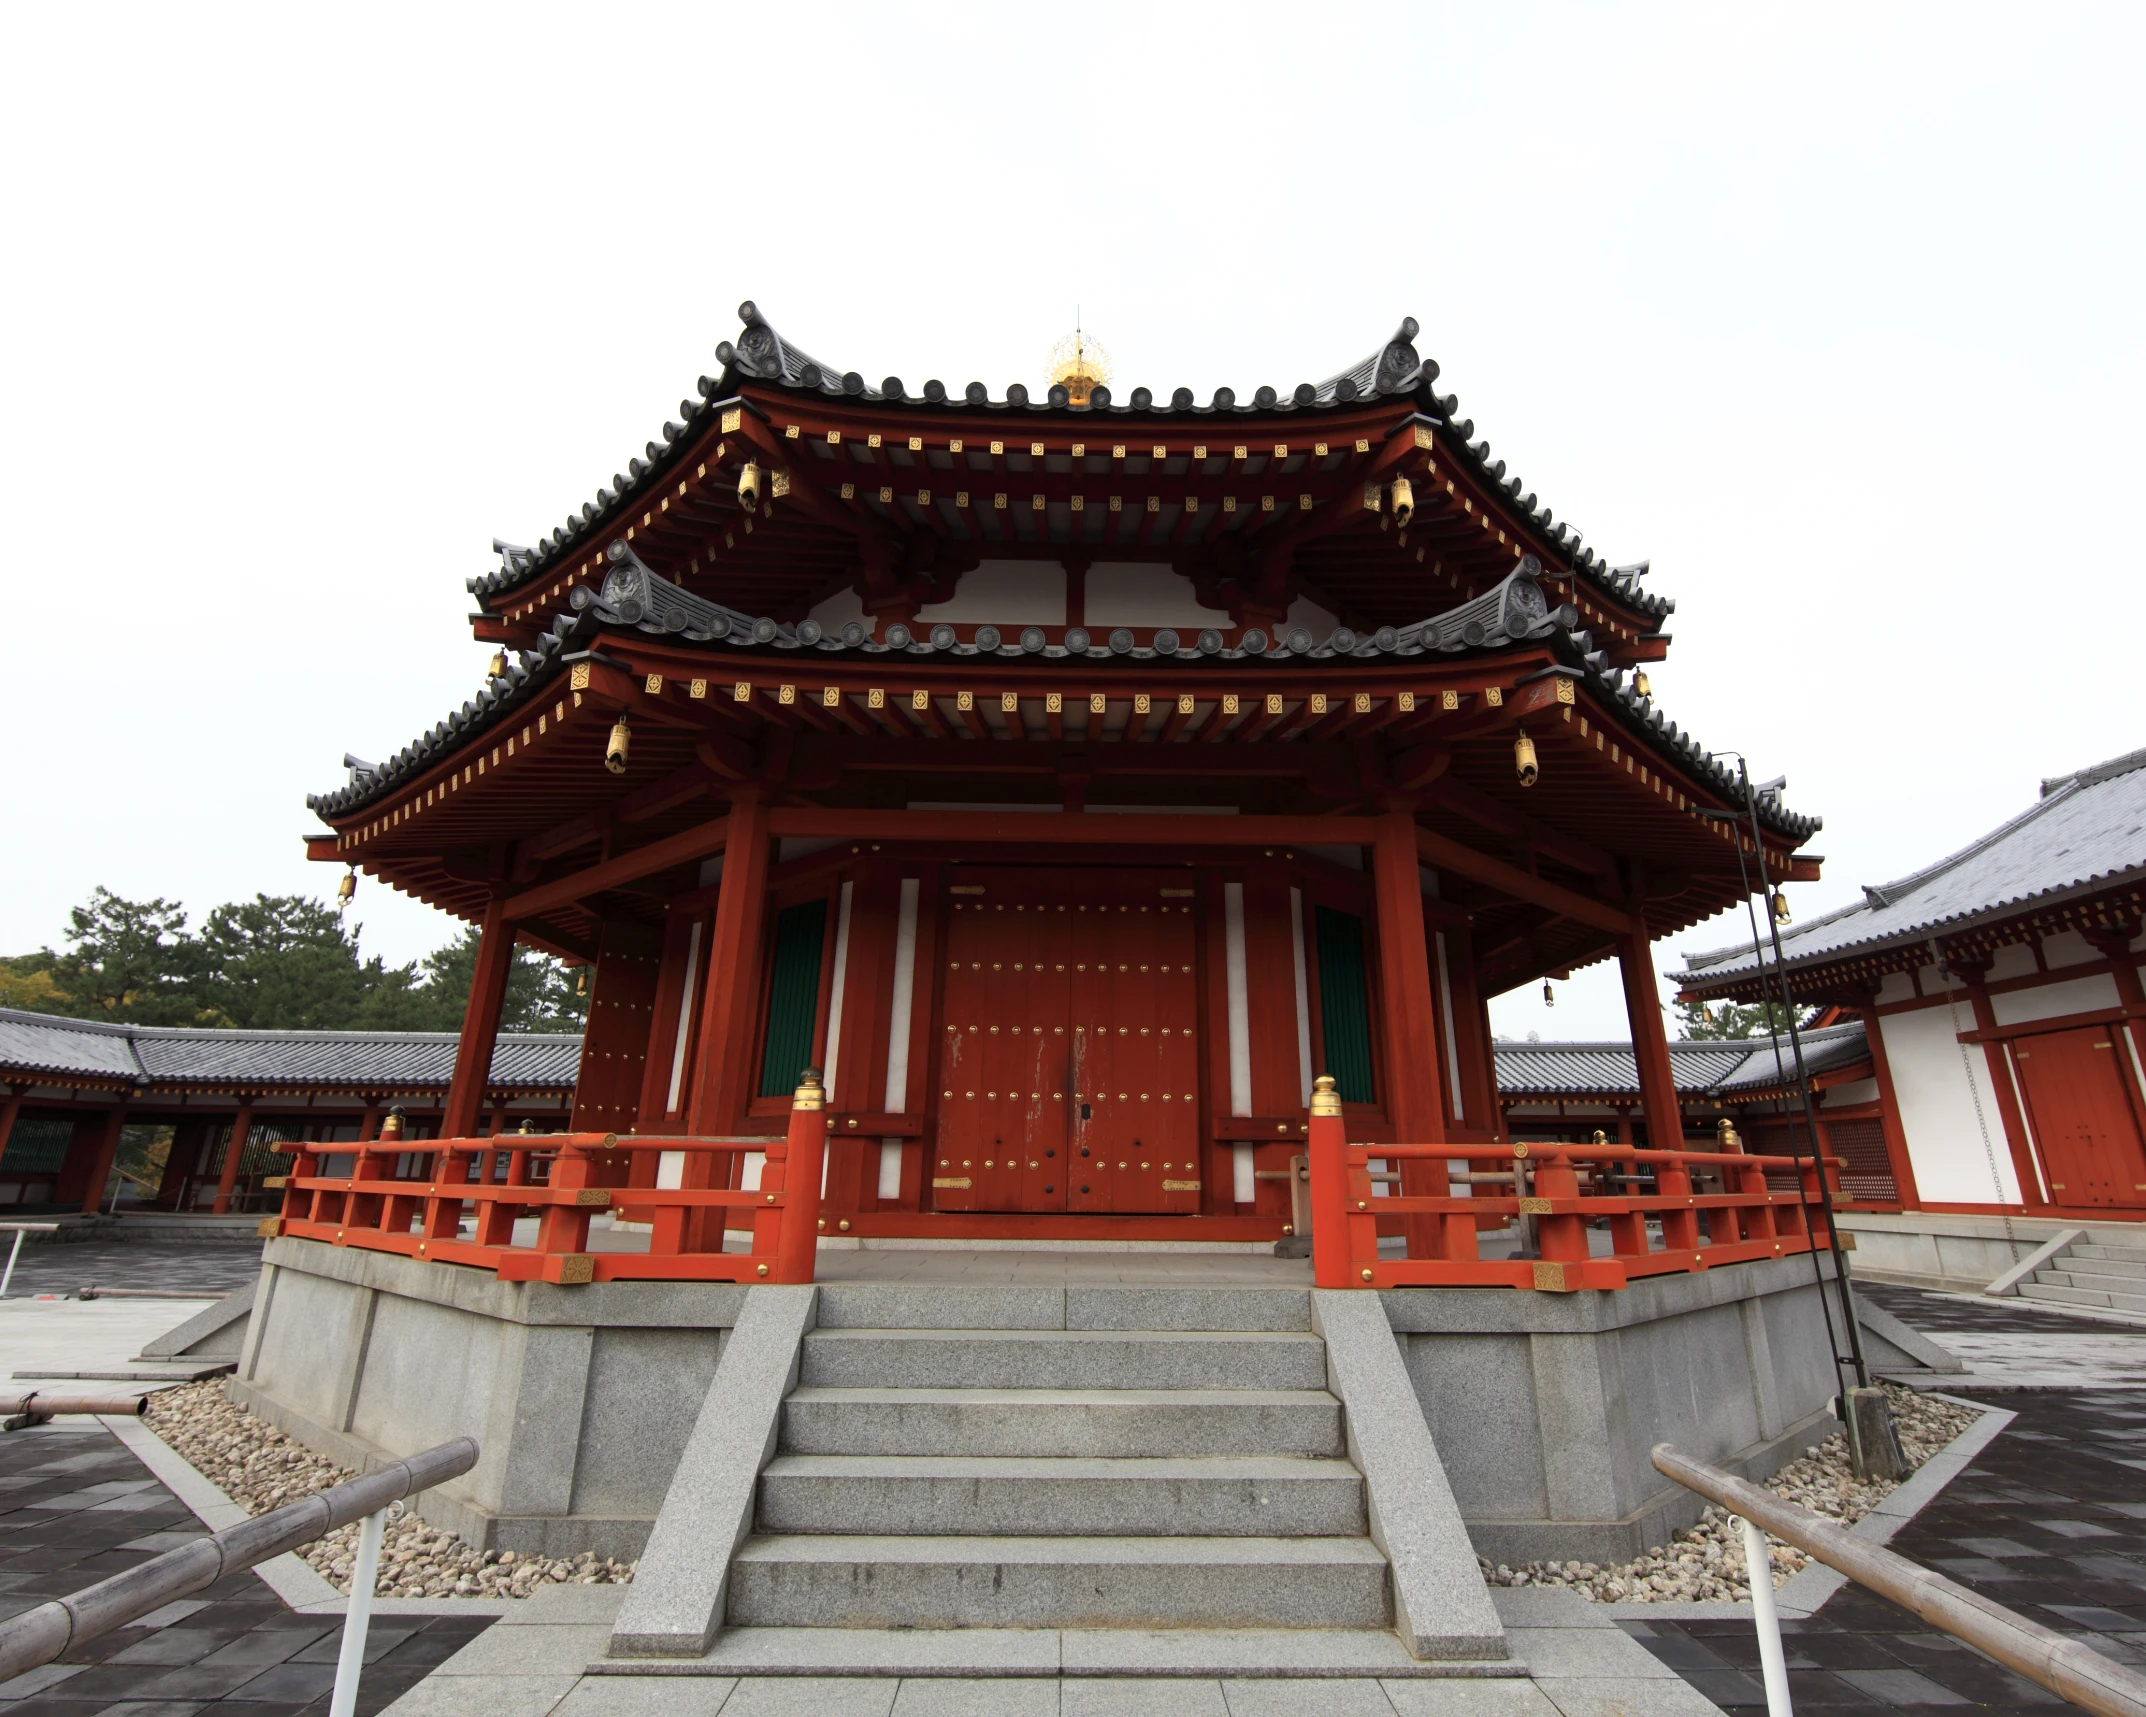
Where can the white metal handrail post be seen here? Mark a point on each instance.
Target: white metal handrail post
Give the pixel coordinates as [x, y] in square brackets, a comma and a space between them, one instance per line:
[1773, 1661]
[15, 1251]
[350, 1661]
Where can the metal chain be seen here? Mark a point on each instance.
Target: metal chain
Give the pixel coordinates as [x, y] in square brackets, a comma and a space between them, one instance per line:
[1989, 1148]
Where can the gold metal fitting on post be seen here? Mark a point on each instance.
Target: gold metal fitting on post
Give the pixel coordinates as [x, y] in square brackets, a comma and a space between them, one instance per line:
[1325, 1099]
[1727, 1136]
[810, 1094]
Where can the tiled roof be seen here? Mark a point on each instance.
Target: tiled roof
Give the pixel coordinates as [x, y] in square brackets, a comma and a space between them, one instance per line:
[2087, 831]
[163, 1058]
[634, 596]
[1707, 1068]
[1394, 370]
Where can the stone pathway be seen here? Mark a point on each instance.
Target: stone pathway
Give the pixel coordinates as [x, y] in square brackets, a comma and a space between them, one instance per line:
[76, 1507]
[49, 1268]
[2049, 1520]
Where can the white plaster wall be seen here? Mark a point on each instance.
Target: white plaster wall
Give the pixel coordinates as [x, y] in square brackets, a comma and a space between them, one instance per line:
[1937, 1090]
[1007, 592]
[1898, 987]
[2013, 960]
[2068, 948]
[1144, 593]
[838, 610]
[1314, 619]
[2047, 1001]
[1847, 1096]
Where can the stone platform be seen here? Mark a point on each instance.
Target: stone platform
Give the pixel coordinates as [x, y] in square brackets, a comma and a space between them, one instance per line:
[1542, 1407]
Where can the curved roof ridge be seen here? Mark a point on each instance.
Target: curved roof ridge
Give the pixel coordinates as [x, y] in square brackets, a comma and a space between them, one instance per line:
[1394, 369]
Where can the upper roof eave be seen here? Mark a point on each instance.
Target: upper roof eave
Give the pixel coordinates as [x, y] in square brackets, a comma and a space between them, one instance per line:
[1396, 371]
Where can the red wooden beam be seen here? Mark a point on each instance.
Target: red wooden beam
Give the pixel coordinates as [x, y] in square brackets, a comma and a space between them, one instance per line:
[1441, 852]
[951, 828]
[701, 842]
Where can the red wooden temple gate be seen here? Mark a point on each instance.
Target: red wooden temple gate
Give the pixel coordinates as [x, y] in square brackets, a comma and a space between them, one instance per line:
[1073, 781]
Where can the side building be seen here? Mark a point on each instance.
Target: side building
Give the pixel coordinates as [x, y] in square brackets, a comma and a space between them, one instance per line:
[2006, 1022]
[71, 1088]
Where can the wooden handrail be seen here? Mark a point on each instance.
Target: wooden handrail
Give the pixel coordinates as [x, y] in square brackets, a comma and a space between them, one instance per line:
[39, 1635]
[2065, 1666]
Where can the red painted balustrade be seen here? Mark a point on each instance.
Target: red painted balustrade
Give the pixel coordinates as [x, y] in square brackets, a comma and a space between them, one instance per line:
[1709, 1207]
[456, 1201]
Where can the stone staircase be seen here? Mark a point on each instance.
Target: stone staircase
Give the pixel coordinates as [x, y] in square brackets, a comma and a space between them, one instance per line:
[1061, 1479]
[1085, 1482]
[2105, 1269]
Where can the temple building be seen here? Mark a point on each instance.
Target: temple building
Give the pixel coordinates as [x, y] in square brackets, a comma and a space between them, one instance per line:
[1071, 778]
[2000, 990]
[70, 1088]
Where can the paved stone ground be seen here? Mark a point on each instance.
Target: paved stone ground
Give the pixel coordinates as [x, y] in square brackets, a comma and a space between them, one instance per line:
[2050, 1520]
[76, 1507]
[49, 1268]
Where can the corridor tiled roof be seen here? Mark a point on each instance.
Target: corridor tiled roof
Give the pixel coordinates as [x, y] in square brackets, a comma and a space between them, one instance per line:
[170, 1058]
[1707, 1068]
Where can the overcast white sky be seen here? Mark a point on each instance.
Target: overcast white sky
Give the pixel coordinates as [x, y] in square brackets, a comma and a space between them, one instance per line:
[1831, 313]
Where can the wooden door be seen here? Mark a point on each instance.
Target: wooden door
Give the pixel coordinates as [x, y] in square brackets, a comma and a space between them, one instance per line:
[1136, 1113]
[1068, 1049]
[1001, 1139]
[2085, 1123]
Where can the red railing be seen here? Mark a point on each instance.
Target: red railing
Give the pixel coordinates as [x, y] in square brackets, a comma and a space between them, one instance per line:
[461, 1205]
[1567, 1192]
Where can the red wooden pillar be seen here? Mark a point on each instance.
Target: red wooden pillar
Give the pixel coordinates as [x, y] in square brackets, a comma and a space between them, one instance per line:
[1409, 1023]
[101, 1168]
[480, 1024]
[731, 1000]
[1896, 1138]
[1650, 1042]
[234, 1153]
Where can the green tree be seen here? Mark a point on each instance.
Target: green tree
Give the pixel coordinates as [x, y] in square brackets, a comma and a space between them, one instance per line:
[130, 961]
[1697, 1022]
[283, 962]
[541, 993]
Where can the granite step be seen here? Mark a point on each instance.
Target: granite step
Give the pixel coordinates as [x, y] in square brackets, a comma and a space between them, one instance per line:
[805, 1580]
[2106, 1260]
[922, 1495]
[1110, 1423]
[2069, 1293]
[1062, 1359]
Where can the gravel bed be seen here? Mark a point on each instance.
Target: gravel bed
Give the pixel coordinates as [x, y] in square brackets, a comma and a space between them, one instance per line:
[258, 1467]
[1707, 1560]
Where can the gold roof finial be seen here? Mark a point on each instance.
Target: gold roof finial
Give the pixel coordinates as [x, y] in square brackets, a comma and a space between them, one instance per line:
[1079, 365]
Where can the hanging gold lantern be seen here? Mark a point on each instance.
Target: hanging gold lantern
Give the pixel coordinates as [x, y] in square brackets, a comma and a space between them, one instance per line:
[621, 740]
[348, 886]
[1642, 687]
[581, 982]
[1780, 906]
[1525, 763]
[1404, 501]
[1549, 996]
[749, 486]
